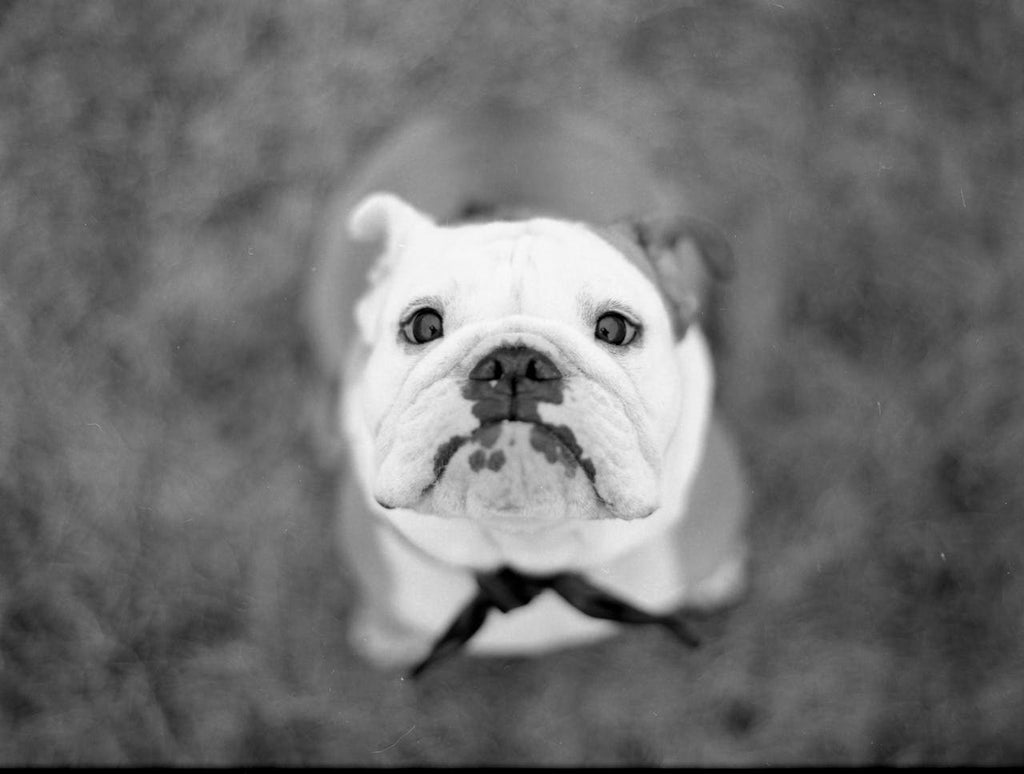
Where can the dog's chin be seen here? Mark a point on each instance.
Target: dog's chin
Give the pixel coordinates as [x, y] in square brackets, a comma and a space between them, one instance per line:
[515, 475]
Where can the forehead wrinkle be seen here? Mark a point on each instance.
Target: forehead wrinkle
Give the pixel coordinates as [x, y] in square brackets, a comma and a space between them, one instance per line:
[521, 261]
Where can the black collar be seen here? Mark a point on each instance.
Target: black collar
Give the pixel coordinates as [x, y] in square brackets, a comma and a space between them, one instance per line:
[506, 589]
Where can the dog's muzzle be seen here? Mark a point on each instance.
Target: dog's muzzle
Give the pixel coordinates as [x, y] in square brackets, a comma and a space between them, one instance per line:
[517, 424]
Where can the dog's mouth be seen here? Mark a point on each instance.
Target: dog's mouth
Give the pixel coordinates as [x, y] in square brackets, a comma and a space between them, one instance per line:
[557, 444]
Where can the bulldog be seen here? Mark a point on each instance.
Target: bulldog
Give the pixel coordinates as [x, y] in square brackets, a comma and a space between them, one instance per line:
[507, 308]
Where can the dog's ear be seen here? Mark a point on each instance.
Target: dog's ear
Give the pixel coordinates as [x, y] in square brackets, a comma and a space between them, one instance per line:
[386, 218]
[687, 255]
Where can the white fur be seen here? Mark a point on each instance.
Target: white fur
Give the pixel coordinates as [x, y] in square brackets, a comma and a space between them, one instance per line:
[641, 414]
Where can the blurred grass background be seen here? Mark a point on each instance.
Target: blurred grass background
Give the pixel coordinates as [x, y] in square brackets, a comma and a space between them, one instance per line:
[169, 592]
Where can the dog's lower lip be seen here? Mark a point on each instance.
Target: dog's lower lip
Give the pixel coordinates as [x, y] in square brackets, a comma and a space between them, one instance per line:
[448, 449]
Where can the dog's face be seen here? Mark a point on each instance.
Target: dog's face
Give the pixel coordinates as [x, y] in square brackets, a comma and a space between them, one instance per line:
[516, 371]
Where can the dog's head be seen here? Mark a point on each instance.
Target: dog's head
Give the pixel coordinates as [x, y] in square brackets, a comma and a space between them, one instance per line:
[526, 371]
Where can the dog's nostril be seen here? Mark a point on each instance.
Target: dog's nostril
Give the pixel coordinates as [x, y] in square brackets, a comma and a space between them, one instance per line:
[541, 369]
[515, 363]
[487, 370]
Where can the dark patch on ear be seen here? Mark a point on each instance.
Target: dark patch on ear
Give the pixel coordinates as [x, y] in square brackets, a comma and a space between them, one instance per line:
[712, 245]
[485, 211]
[687, 255]
[475, 210]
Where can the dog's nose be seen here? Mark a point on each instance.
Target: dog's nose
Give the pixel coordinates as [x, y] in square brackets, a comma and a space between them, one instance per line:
[514, 368]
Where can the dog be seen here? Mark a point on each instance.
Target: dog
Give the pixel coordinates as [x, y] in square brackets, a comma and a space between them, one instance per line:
[506, 305]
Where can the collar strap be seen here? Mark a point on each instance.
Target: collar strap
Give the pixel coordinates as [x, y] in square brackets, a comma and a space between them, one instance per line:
[506, 589]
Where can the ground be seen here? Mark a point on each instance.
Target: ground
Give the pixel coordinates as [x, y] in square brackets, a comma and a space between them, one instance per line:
[169, 590]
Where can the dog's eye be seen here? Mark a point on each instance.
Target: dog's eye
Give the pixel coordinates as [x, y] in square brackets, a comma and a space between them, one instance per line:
[615, 329]
[422, 326]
